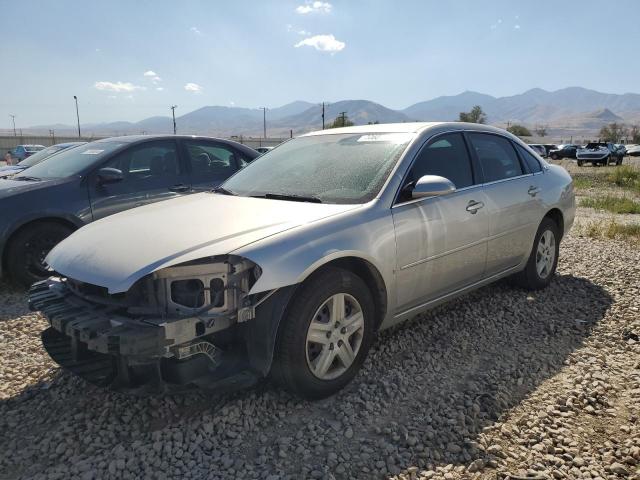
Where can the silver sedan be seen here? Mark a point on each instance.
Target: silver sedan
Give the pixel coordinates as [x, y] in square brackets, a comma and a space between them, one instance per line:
[291, 267]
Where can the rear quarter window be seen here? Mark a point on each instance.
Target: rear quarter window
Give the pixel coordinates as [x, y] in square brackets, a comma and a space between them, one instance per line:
[532, 163]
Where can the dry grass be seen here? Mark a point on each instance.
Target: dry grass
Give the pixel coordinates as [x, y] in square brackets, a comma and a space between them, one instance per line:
[613, 229]
[612, 204]
[626, 177]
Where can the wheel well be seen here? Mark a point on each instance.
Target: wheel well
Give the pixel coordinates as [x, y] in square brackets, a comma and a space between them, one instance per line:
[556, 215]
[60, 221]
[371, 276]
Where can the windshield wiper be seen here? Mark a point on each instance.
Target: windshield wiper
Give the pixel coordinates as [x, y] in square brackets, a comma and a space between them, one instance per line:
[291, 197]
[27, 178]
[223, 191]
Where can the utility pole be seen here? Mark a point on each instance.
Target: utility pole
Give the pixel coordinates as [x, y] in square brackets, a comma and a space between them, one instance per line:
[173, 114]
[323, 115]
[343, 115]
[53, 136]
[77, 115]
[264, 122]
[13, 118]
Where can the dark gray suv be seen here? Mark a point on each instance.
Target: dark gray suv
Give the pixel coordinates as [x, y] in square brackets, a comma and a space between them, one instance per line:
[45, 203]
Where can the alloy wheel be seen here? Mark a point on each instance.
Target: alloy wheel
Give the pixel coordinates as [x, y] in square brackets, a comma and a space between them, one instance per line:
[334, 336]
[546, 254]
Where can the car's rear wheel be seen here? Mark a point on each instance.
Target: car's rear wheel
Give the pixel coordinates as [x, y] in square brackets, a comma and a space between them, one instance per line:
[543, 259]
[29, 247]
[580, 162]
[325, 335]
[554, 156]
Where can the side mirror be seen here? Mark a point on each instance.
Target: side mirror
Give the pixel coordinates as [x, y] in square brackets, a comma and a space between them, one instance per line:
[109, 175]
[432, 186]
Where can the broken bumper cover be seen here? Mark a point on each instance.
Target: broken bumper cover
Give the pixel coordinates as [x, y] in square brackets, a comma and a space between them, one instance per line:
[126, 354]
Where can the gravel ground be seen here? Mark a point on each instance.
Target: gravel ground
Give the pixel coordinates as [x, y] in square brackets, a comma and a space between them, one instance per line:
[498, 384]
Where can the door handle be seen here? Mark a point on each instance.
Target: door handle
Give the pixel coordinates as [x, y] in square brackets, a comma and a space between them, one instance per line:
[473, 206]
[533, 191]
[180, 187]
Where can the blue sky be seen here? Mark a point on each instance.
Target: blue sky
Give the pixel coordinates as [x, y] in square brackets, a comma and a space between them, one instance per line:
[268, 53]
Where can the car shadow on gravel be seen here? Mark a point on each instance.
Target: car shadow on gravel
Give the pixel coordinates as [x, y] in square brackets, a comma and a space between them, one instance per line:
[428, 389]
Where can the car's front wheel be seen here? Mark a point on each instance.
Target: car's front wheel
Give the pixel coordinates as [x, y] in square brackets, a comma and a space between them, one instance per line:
[325, 335]
[29, 247]
[543, 259]
[580, 162]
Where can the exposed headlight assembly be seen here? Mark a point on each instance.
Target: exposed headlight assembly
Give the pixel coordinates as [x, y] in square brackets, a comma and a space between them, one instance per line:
[206, 288]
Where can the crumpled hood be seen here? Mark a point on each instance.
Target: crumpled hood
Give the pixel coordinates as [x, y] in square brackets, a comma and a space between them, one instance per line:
[118, 250]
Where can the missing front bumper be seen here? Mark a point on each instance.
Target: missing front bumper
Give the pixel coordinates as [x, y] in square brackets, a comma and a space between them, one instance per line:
[124, 354]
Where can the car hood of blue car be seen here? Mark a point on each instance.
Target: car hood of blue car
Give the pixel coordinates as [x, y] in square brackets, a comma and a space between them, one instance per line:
[10, 170]
[10, 187]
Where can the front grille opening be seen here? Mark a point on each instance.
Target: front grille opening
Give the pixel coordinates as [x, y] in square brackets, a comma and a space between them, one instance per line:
[188, 293]
[216, 290]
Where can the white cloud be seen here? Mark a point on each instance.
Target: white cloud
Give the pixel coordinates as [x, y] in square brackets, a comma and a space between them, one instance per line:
[193, 87]
[304, 33]
[195, 30]
[159, 89]
[232, 103]
[516, 27]
[323, 43]
[117, 87]
[153, 76]
[314, 7]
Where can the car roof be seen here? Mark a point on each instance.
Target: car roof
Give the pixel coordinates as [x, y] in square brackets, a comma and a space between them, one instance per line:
[406, 127]
[30, 145]
[68, 144]
[138, 138]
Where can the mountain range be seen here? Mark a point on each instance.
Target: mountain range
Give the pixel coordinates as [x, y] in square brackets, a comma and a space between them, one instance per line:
[569, 111]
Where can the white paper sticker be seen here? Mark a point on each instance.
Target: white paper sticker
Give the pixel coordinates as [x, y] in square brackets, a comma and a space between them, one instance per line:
[92, 152]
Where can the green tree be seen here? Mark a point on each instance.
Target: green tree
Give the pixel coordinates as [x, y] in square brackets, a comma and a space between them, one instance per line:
[613, 132]
[341, 121]
[541, 130]
[476, 115]
[519, 130]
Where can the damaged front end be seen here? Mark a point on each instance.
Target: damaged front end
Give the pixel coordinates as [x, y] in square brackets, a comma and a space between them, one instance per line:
[186, 326]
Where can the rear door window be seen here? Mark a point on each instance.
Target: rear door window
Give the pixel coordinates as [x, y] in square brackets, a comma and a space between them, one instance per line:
[210, 160]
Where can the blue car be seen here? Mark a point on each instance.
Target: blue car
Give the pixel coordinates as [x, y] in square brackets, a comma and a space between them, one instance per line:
[36, 158]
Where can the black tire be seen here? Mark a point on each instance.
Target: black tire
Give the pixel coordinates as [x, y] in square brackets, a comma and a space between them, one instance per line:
[28, 248]
[529, 278]
[579, 163]
[554, 156]
[290, 367]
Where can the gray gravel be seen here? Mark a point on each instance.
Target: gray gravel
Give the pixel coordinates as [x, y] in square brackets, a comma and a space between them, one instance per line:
[499, 384]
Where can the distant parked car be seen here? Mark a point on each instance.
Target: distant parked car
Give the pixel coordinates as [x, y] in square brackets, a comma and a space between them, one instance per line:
[548, 147]
[263, 150]
[46, 202]
[633, 150]
[564, 151]
[539, 149]
[599, 153]
[23, 151]
[622, 150]
[36, 158]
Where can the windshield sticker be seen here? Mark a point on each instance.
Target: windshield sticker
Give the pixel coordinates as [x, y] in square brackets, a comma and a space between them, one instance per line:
[386, 137]
[92, 152]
